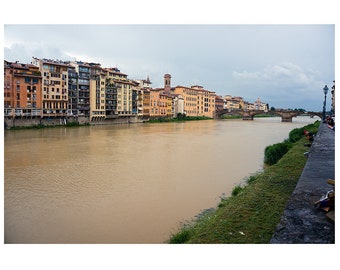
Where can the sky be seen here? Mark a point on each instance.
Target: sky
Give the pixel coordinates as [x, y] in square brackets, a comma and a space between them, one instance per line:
[285, 65]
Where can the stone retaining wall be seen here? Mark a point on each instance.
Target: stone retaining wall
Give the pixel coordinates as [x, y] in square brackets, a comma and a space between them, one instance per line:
[55, 121]
[301, 221]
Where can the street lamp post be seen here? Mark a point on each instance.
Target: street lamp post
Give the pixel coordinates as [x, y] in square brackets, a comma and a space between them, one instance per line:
[325, 91]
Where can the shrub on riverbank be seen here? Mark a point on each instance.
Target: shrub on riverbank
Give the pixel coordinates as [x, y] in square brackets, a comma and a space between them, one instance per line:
[39, 126]
[237, 116]
[179, 119]
[250, 216]
[273, 153]
[236, 190]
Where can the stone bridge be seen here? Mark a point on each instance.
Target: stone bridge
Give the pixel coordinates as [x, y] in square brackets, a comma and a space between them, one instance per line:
[286, 115]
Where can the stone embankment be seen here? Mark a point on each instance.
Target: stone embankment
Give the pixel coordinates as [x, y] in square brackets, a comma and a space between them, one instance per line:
[59, 121]
[301, 221]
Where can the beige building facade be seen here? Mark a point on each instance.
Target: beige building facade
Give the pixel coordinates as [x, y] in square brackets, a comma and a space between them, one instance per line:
[54, 86]
[261, 106]
[177, 105]
[97, 94]
[234, 103]
[124, 90]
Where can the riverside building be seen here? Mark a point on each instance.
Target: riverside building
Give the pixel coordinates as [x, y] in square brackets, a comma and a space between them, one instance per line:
[164, 103]
[85, 92]
[122, 92]
[197, 100]
[143, 101]
[83, 87]
[98, 94]
[234, 103]
[55, 86]
[22, 90]
[259, 105]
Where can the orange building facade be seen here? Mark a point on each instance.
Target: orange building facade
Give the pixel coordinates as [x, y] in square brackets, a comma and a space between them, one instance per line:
[22, 90]
[155, 102]
[146, 103]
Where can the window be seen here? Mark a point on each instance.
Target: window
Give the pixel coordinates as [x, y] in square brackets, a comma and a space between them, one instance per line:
[55, 75]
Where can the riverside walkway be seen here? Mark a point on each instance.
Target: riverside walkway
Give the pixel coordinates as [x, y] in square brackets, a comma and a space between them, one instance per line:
[301, 222]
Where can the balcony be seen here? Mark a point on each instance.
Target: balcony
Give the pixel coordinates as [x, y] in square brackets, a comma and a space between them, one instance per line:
[111, 116]
[18, 112]
[54, 113]
[9, 112]
[36, 112]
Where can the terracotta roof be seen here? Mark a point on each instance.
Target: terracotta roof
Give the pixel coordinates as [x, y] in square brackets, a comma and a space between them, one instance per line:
[114, 70]
[54, 62]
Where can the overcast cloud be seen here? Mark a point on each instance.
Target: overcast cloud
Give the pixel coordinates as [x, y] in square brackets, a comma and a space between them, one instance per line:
[285, 66]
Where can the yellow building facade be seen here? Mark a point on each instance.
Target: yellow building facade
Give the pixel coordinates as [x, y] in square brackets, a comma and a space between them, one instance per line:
[165, 105]
[197, 100]
[146, 102]
[97, 94]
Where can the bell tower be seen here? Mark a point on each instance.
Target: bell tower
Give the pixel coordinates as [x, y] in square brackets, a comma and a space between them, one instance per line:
[167, 83]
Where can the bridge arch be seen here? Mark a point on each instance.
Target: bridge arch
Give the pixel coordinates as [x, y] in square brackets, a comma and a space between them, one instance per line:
[286, 115]
[220, 113]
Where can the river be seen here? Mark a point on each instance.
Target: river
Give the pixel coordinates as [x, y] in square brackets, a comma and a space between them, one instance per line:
[127, 183]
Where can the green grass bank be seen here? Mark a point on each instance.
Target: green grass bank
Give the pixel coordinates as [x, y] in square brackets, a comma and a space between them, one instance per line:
[250, 215]
[40, 126]
[180, 118]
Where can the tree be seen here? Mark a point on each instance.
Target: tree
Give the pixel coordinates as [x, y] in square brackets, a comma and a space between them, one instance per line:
[181, 116]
